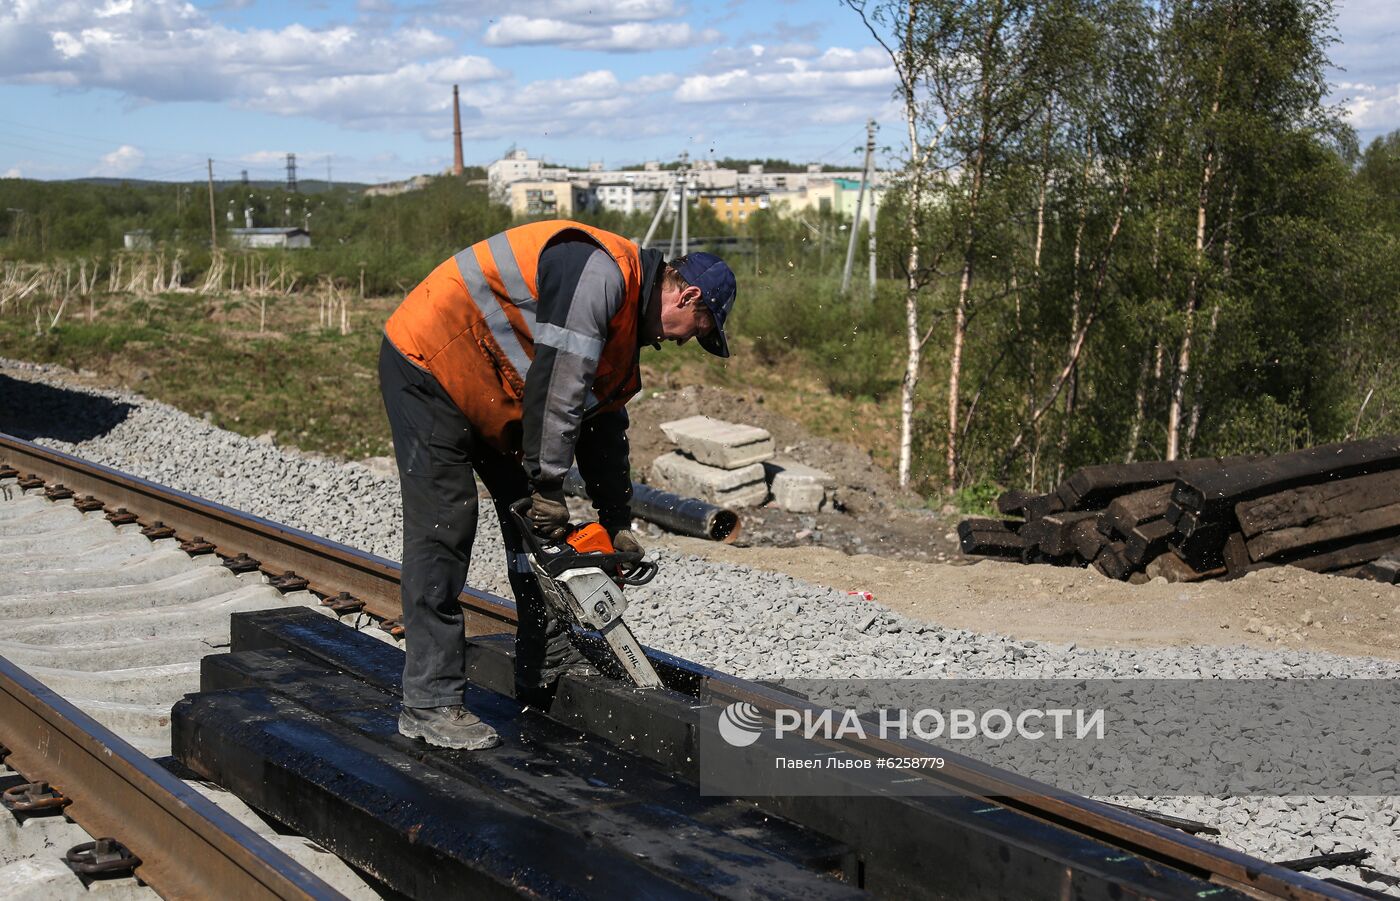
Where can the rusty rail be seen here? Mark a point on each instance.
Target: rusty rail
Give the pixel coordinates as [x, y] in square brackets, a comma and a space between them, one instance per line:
[331, 568]
[188, 847]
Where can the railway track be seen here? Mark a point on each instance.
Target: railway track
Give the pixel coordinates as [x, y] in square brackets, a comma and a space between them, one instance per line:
[174, 560]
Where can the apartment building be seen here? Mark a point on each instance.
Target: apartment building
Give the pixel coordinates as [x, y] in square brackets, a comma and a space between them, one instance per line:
[533, 189]
[734, 208]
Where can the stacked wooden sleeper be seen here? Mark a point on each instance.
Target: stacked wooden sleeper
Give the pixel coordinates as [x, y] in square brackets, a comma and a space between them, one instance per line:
[1334, 508]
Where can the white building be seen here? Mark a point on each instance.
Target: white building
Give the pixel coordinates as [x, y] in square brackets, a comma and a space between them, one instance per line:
[515, 166]
[288, 238]
[639, 190]
[625, 198]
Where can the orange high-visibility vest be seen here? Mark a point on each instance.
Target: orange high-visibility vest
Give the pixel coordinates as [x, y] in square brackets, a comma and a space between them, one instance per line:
[471, 321]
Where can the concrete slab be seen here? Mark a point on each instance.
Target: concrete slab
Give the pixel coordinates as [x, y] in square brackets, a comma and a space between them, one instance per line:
[134, 571]
[796, 487]
[197, 583]
[79, 535]
[99, 656]
[715, 442]
[677, 473]
[42, 519]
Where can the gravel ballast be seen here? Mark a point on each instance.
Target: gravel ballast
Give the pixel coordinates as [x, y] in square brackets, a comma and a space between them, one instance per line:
[755, 624]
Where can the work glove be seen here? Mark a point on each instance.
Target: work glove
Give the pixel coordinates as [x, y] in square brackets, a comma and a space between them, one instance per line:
[625, 542]
[549, 515]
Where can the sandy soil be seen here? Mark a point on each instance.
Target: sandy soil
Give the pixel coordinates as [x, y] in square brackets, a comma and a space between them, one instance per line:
[1281, 607]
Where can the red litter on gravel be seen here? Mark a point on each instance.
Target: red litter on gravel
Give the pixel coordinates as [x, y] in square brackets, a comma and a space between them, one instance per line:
[863, 595]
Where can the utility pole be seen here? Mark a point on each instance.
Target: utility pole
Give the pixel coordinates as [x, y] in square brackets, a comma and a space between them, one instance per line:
[676, 215]
[675, 222]
[855, 223]
[213, 227]
[685, 203]
[874, 222]
[292, 173]
[329, 184]
[661, 208]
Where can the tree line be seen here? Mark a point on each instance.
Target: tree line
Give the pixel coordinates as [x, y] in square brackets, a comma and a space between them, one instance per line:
[1129, 229]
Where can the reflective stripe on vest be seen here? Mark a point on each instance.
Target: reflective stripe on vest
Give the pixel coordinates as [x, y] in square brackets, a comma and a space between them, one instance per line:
[512, 282]
[492, 311]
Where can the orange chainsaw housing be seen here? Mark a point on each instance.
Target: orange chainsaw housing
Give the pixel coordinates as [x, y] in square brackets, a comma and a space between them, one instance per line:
[591, 538]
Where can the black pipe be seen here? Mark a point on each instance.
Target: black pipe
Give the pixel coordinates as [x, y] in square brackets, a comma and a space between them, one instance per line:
[682, 515]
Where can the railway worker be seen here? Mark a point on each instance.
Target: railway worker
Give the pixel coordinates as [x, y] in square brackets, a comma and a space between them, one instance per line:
[509, 362]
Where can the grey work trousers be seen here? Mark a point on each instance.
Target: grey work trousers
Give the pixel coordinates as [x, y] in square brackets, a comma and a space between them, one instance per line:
[438, 450]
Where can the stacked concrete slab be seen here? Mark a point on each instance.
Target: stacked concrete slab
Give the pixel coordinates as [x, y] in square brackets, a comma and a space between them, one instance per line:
[723, 445]
[733, 465]
[796, 488]
[719, 462]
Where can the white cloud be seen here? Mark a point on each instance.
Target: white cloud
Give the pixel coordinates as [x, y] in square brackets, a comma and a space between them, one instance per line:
[1372, 109]
[264, 157]
[790, 69]
[415, 90]
[169, 50]
[596, 11]
[1368, 85]
[121, 161]
[516, 31]
[650, 84]
[13, 172]
[792, 78]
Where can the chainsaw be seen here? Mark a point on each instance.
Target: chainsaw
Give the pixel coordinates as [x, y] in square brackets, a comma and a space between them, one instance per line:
[582, 577]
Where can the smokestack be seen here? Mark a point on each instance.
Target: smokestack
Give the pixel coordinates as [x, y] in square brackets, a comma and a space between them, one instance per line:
[456, 134]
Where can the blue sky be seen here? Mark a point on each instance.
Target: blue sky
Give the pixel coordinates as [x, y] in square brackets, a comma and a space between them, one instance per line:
[152, 88]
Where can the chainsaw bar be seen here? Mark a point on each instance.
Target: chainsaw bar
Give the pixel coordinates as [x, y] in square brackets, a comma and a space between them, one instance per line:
[630, 655]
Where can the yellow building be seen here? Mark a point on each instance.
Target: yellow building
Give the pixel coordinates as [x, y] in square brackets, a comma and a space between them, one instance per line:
[735, 208]
[542, 198]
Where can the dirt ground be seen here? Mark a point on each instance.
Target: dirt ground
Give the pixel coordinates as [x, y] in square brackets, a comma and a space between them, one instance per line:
[867, 512]
[880, 540]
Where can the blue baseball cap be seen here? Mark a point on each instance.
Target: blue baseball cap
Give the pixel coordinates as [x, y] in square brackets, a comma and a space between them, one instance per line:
[717, 287]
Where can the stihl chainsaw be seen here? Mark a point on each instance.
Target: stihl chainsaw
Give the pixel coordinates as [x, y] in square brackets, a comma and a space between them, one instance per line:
[582, 577]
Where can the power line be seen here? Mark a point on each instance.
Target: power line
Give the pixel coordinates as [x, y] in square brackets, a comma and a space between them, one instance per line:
[845, 145]
[95, 139]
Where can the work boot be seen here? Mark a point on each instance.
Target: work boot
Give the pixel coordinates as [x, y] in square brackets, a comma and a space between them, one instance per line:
[447, 727]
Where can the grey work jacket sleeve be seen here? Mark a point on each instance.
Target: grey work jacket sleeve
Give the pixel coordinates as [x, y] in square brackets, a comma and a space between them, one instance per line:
[580, 289]
[604, 461]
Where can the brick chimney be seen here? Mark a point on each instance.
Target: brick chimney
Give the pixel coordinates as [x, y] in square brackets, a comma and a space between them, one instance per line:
[456, 134]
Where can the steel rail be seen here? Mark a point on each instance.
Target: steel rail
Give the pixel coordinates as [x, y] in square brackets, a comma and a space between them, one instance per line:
[331, 567]
[188, 847]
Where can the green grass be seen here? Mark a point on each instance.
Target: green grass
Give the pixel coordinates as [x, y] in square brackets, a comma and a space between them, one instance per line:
[827, 362]
[315, 388]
